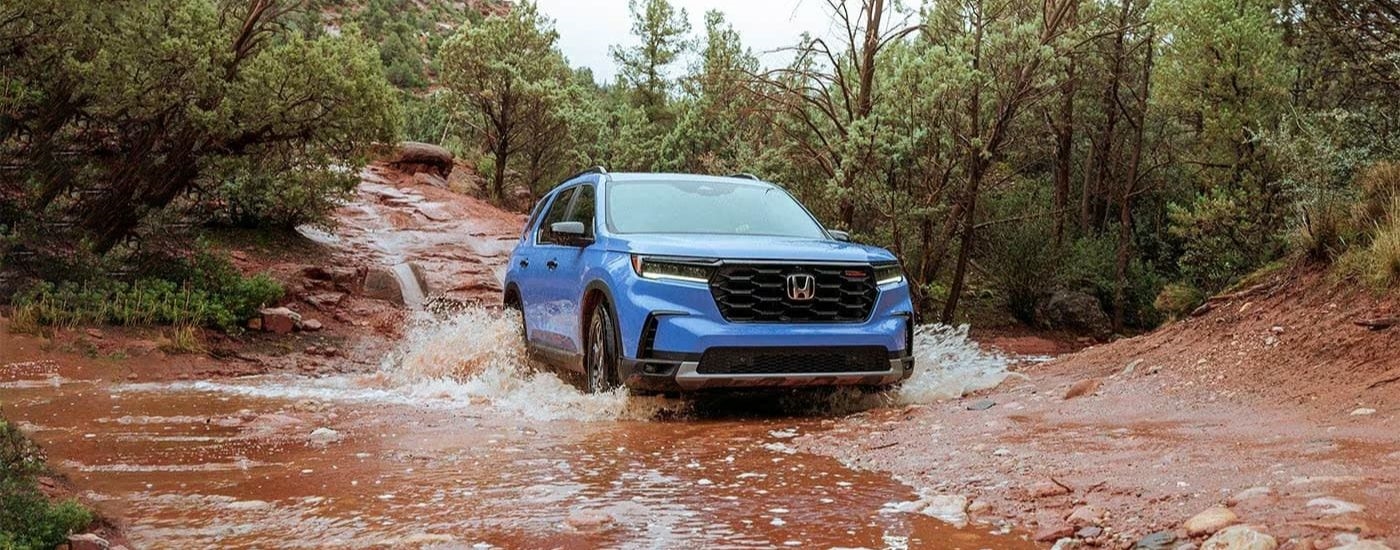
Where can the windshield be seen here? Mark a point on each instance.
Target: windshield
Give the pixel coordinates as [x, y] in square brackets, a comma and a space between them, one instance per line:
[707, 207]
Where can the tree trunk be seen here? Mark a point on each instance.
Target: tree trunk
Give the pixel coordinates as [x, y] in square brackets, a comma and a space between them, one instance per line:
[969, 229]
[1125, 208]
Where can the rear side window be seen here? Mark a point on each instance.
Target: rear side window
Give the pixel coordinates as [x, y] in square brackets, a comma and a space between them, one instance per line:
[585, 209]
[557, 210]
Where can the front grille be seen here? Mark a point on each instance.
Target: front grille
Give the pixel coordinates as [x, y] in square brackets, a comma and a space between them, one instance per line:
[810, 360]
[759, 293]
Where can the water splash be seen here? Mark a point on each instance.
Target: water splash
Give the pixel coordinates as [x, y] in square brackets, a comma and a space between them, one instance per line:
[948, 365]
[479, 357]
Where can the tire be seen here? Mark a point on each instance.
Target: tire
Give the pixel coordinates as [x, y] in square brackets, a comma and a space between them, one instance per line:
[600, 355]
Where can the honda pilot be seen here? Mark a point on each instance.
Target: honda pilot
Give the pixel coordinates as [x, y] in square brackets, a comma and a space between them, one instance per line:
[676, 282]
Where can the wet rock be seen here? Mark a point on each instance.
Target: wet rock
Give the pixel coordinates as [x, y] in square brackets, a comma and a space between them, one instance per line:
[387, 283]
[1210, 520]
[1161, 540]
[1073, 310]
[87, 541]
[1249, 494]
[1240, 537]
[1055, 531]
[1087, 514]
[324, 300]
[321, 437]
[1329, 506]
[414, 157]
[981, 405]
[426, 178]
[1083, 388]
[311, 325]
[589, 520]
[279, 320]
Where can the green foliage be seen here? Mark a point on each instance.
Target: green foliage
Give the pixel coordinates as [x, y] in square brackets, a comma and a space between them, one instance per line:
[1221, 237]
[28, 520]
[661, 31]
[158, 103]
[205, 290]
[1177, 300]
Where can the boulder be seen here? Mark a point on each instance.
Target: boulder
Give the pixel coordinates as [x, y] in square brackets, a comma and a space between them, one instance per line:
[387, 283]
[1087, 514]
[1240, 537]
[414, 157]
[1209, 521]
[311, 325]
[1073, 310]
[280, 320]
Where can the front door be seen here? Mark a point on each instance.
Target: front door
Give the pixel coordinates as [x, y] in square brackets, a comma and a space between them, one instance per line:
[537, 283]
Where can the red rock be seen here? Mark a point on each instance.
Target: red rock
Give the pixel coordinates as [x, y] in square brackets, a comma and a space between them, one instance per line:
[1045, 489]
[1053, 532]
[279, 320]
[1083, 387]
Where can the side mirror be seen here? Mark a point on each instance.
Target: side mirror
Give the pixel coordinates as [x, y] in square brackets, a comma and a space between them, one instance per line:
[840, 235]
[570, 232]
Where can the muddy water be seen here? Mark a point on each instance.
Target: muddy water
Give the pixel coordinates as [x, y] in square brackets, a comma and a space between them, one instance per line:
[454, 443]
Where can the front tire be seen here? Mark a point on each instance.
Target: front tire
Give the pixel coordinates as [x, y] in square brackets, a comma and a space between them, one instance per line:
[600, 359]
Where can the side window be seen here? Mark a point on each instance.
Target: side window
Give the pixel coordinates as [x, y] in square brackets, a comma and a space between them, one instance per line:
[585, 208]
[556, 212]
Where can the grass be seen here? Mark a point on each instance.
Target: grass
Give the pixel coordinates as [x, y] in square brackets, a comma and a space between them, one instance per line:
[28, 519]
[145, 302]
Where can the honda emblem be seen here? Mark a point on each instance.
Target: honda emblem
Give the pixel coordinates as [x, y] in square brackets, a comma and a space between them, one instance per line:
[801, 287]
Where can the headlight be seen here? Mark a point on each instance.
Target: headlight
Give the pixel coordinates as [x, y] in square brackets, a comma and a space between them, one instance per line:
[695, 270]
[888, 273]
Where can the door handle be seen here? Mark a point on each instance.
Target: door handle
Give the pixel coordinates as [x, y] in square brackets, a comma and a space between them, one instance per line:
[524, 263]
[551, 265]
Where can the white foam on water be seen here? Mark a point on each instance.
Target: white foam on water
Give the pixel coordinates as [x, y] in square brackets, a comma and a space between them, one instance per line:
[947, 365]
[476, 360]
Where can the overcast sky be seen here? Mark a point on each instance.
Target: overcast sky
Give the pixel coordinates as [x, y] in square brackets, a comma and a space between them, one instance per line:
[587, 27]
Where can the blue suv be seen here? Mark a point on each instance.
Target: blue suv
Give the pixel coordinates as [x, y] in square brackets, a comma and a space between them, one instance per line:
[675, 282]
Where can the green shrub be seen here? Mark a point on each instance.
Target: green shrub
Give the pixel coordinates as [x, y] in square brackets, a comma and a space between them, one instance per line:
[1177, 300]
[1325, 231]
[28, 520]
[1379, 187]
[1222, 234]
[204, 290]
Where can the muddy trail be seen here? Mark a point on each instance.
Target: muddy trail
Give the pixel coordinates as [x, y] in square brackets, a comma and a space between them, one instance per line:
[456, 442]
[396, 427]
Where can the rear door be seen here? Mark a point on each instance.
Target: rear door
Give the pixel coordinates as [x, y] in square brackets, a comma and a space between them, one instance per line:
[537, 283]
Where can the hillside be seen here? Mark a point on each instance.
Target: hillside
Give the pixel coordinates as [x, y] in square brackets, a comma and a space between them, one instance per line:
[1272, 402]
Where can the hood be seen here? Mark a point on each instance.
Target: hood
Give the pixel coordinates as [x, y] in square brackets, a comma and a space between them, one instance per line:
[749, 247]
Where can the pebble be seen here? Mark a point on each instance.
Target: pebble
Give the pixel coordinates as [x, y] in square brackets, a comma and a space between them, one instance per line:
[1083, 387]
[324, 436]
[1363, 412]
[981, 405]
[1089, 532]
[1161, 540]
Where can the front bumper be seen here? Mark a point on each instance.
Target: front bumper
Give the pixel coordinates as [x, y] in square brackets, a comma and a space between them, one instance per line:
[667, 375]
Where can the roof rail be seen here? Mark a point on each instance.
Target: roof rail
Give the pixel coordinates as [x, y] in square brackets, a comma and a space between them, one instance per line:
[593, 170]
[745, 175]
